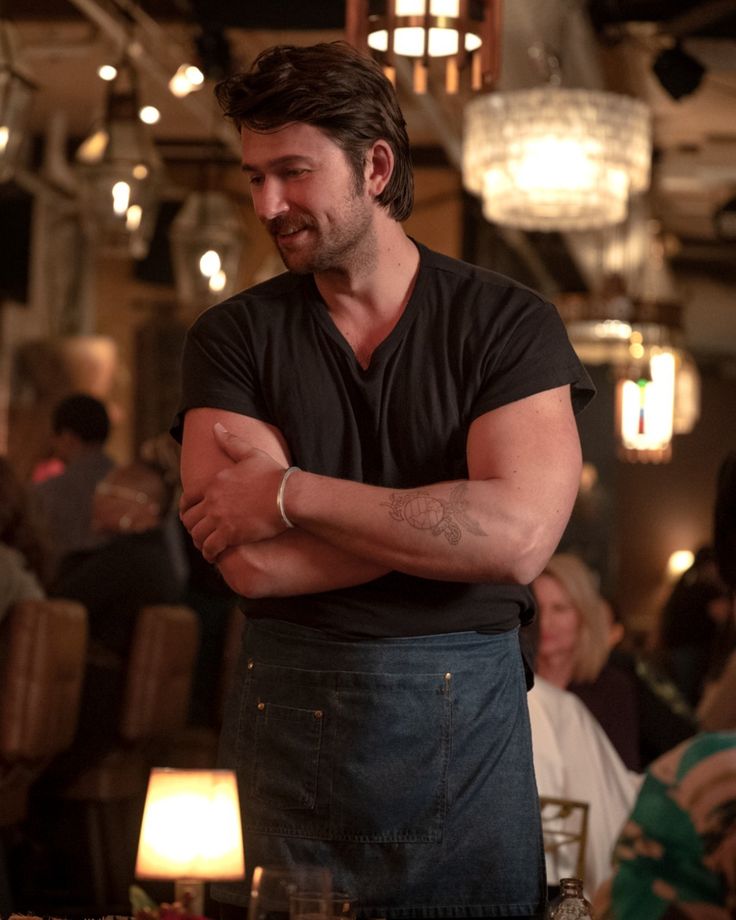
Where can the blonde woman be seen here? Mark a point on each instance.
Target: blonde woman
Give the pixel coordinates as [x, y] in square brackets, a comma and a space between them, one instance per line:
[573, 651]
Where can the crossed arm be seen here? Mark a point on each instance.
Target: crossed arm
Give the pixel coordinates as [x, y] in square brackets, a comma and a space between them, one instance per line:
[501, 524]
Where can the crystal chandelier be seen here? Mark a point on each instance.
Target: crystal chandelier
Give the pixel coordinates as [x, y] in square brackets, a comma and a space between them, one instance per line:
[16, 93]
[463, 34]
[207, 239]
[553, 158]
[120, 171]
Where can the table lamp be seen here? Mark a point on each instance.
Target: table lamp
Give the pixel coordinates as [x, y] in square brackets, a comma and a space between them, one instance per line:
[191, 832]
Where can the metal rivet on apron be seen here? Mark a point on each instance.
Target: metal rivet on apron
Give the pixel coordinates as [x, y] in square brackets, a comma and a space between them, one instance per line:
[318, 713]
[261, 706]
[448, 676]
[250, 664]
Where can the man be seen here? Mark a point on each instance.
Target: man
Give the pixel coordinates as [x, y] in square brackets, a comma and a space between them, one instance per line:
[80, 427]
[379, 452]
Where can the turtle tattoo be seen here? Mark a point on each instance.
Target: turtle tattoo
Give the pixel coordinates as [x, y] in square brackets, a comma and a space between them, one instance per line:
[426, 512]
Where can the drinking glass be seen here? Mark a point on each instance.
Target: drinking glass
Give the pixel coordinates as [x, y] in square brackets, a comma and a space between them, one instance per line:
[313, 905]
[273, 887]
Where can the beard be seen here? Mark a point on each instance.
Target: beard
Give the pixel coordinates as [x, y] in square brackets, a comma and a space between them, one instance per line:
[348, 242]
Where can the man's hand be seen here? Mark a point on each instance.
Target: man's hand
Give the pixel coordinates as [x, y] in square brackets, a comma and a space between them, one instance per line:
[239, 505]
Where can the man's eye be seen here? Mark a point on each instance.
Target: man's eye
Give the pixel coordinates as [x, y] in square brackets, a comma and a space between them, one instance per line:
[294, 172]
[256, 180]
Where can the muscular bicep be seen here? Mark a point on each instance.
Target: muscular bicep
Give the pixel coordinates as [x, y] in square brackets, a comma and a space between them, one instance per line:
[530, 451]
[202, 457]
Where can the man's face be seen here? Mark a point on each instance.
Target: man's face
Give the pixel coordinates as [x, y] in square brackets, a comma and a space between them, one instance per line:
[306, 195]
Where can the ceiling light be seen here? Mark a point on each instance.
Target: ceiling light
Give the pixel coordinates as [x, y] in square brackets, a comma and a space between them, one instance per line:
[645, 398]
[187, 79]
[553, 158]
[119, 168]
[462, 35]
[107, 72]
[207, 240]
[149, 114]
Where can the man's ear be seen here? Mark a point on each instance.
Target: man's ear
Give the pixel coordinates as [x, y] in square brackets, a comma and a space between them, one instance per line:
[379, 164]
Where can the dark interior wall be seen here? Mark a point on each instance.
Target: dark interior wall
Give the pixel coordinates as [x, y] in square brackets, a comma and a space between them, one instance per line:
[665, 507]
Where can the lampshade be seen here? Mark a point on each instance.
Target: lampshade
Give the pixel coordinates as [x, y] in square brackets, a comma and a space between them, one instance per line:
[191, 829]
[207, 240]
[16, 93]
[120, 171]
[553, 158]
[463, 33]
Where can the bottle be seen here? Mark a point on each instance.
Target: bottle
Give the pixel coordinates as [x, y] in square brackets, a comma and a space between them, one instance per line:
[570, 903]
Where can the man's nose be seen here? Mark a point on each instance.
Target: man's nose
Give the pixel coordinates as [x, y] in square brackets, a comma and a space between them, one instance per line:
[269, 200]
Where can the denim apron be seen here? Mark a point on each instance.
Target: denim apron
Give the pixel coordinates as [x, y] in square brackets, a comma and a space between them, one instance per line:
[403, 765]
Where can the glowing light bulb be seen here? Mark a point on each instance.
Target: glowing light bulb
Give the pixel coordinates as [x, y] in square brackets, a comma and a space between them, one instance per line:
[107, 72]
[149, 114]
[218, 281]
[120, 197]
[679, 562]
[186, 79]
[210, 263]
[133, 217]
[4, 135]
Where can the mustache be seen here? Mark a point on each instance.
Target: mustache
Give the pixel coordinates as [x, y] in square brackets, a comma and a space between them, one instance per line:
[285, 224]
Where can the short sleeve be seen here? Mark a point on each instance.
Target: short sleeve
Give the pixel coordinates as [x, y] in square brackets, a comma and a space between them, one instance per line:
[218, 368]
[534, 354]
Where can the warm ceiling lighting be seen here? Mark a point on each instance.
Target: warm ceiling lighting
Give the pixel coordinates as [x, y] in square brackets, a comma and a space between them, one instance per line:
[553, 158]
[187, 79]
[107, 72]
[119, 167]
[207, 241]
[149, 115]
[463, 34]
[645, 408]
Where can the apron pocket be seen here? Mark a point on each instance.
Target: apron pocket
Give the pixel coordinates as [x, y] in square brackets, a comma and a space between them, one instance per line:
[286, 755]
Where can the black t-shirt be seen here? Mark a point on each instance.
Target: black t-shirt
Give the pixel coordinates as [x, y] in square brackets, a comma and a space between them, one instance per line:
[469, 341]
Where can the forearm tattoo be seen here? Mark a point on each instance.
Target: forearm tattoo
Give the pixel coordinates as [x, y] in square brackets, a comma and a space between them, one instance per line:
[427, 512]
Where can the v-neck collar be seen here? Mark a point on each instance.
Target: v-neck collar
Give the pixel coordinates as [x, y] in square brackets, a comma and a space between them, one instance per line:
[384, 348]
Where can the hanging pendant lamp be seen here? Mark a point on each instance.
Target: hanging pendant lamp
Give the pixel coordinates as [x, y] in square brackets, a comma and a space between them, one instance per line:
[463, 35]
[207, 240]
[554, 158]
[120, 171]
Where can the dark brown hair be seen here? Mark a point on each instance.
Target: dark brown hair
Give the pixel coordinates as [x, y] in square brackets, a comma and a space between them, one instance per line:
[335, 88]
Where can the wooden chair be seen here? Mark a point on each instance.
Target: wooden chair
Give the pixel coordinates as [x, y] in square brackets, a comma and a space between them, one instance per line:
[42, 650]
[565, 832]
[155, 705]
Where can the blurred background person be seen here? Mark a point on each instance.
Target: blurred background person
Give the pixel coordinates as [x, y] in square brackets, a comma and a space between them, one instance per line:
[574, 760]
[694, 627]
[23, 556]
[134, 565]
[675, 855]
[717, 706]
[131, 569]
[80, 427]
[574, 650]
[641, 714]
